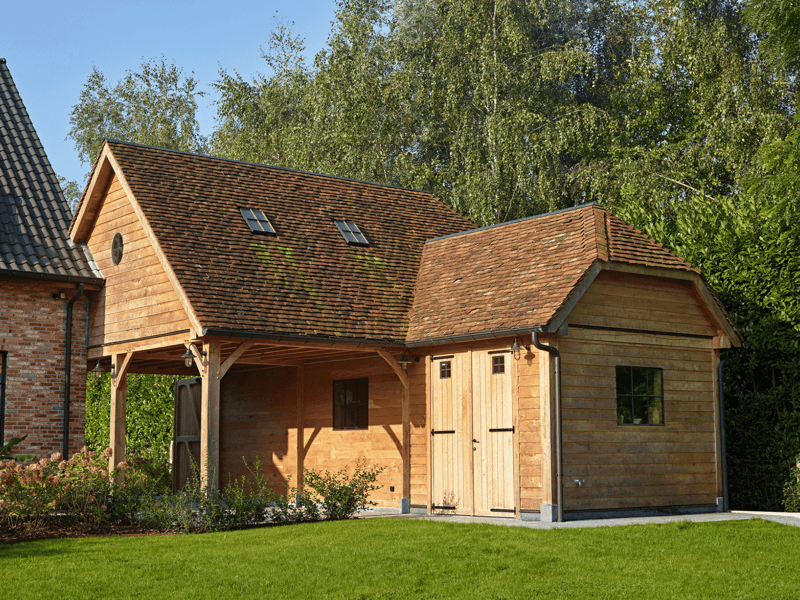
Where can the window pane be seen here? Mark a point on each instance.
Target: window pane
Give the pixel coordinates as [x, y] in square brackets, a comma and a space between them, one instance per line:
[656, 411]
[498, 365]
[623, 380]
[338, 393]
[444, 370]
[338, 416]
[640, 410]
[624, 414]
[654, 381]
[639, 381]
[351, 404]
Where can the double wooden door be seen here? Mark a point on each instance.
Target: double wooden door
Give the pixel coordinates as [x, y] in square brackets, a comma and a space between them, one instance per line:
[186, 432]
[473, 433]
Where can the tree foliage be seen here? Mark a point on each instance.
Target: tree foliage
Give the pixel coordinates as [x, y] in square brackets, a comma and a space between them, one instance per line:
[156, 106]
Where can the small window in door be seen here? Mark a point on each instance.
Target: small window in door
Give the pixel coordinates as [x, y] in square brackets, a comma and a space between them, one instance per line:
[444, 369]
[498, 365]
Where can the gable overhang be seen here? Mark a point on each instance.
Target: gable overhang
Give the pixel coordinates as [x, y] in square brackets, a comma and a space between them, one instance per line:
[710, 304]
[104, 170]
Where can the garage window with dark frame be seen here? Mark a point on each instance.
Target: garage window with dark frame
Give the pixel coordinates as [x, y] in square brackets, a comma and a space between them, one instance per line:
[640, 396]
[351, 404]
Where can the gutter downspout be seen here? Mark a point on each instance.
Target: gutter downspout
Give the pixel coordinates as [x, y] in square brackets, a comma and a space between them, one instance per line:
[559, 479]
[68, 369]
[720, 366]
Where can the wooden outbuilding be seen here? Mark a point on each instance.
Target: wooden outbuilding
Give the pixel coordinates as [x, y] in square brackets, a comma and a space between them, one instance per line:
[326, 320]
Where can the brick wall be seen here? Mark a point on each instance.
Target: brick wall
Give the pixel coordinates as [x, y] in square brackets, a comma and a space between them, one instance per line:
[32, 330]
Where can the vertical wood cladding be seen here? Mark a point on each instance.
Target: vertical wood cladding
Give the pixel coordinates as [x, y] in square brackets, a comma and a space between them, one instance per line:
[259, 418]
[138, 299]
[32, 331]
[627, 466]
[530, 428]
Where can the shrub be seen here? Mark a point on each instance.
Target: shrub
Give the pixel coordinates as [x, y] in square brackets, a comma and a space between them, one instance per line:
[76, 489]
[341, 495]
[243, 502]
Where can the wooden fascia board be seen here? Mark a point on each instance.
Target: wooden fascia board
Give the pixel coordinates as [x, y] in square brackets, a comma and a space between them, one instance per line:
[87, 209]
[577, 293]
[700, 286]
[151, 236]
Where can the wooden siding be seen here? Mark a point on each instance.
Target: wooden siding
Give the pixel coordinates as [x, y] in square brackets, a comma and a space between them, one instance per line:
[138, 299]
[420, 431]
[530, 432]
[259, 419]
[631, 301]
[632, 466]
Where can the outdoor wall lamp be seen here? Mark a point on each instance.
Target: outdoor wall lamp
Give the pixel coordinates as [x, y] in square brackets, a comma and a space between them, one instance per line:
[404, 362]
[188, 357]
[98, 371]
[516, 349]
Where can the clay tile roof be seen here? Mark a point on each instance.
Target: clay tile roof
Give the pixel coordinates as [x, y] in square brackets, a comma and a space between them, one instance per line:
[34, 215]
[304, 281]
[517, 275]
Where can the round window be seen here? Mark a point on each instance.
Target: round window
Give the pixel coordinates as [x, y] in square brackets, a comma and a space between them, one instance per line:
[117, 249]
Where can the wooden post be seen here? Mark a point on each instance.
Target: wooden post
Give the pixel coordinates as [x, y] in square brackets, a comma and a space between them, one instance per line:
[301, 451]
[119, 391]
[405, 415]
[209, 417]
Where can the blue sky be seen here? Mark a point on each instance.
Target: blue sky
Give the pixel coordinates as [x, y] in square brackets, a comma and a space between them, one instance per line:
[51, 47]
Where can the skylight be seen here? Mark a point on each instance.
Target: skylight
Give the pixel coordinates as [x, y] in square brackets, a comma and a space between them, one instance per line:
[257, 221]
[351, 233]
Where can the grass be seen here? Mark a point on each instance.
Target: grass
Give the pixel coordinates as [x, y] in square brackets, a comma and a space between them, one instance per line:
[395, 558]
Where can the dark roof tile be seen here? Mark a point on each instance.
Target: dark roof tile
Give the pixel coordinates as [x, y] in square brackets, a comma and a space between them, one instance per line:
[33, 212]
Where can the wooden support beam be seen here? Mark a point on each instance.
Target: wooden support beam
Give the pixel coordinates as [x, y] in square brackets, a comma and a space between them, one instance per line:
[241, 349]
[209, 415]
[392, 361]
[119, 391]
[200, 361]
[122, 365]
[301, 401]
[405, 404]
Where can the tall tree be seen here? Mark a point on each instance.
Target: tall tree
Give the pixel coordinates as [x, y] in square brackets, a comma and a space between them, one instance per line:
[477, 102]
[156, 106]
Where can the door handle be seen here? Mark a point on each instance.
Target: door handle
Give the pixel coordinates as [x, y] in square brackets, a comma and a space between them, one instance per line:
[475, 442]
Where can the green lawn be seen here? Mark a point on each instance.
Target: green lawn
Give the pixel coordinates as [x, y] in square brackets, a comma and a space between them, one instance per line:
[397, 558]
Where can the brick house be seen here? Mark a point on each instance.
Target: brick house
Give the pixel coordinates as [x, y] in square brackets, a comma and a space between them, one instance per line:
[563, 363]
[44, 285]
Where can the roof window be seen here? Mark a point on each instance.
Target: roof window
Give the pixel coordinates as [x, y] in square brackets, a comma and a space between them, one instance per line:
[351, 233]
[257, 221]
